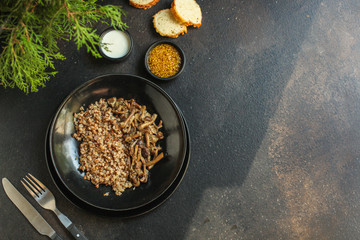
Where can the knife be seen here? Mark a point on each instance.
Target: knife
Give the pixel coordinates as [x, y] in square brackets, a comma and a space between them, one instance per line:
[32, 215]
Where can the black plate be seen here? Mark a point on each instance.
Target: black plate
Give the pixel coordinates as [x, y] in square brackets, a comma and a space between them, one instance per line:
[64, 148]
[128, 213]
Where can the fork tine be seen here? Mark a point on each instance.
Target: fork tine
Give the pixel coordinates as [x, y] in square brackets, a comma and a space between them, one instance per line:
[37, 190]
[33, 186]
[38, 182]
[28, 189]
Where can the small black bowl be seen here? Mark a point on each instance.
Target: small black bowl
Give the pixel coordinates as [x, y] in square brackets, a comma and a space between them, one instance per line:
[64, 149]
[182, 55]
[101, 50]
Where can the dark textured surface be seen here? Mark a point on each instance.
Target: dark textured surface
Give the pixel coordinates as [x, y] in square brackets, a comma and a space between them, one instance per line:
[271, 93]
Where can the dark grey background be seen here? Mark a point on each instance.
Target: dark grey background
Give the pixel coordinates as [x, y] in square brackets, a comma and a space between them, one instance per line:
[271, 94]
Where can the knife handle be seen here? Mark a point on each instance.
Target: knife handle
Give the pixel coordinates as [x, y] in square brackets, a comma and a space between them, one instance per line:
[56, 237]
[76, 232]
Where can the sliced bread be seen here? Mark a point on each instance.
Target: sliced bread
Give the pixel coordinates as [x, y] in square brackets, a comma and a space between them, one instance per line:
[187, 12]
[144, 4]
[166, 24]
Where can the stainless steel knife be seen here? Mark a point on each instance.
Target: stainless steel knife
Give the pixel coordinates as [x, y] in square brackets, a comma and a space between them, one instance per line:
[32, 215]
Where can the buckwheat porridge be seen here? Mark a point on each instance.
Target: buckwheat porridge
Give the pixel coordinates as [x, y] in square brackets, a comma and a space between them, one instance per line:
[118, 142]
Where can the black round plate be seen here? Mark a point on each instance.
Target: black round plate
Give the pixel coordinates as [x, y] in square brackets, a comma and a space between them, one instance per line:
[64, 148]
[124, 214]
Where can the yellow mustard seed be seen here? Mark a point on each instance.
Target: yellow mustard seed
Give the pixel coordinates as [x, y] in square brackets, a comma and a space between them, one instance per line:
[164, 60]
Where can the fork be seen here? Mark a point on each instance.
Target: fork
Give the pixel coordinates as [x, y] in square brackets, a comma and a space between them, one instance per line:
[46, 199]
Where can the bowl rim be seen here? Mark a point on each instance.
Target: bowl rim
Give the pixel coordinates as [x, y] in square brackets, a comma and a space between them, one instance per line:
[182, 54]
[115, 59]
[90, 82]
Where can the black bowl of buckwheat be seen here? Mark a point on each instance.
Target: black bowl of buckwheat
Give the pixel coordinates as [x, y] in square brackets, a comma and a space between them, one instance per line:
[118, 143]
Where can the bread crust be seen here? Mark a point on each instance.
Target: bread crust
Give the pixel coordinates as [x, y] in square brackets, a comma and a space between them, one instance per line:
[184, 30]
[172, 36]
[178, 17]
[143, 6]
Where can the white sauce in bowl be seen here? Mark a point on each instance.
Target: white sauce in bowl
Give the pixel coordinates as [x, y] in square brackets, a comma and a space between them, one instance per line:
[115, 44]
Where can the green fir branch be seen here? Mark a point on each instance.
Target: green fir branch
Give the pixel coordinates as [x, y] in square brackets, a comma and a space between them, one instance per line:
[30, 30]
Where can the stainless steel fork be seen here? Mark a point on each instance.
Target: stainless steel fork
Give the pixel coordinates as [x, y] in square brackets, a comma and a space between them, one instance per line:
[46, 199]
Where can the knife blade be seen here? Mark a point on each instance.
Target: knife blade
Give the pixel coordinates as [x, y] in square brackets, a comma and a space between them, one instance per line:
[31, 214]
